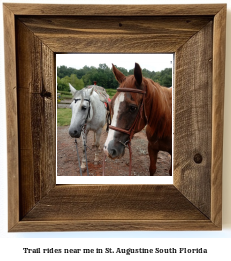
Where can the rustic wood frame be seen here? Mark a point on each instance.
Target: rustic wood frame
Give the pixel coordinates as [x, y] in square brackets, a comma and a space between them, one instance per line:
[33, 34]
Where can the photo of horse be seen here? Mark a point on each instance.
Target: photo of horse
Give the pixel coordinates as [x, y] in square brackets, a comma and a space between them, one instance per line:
[140, 102]
[119, 127]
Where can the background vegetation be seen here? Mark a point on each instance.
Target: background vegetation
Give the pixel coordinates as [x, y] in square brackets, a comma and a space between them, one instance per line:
[64, 117]
[104, 77]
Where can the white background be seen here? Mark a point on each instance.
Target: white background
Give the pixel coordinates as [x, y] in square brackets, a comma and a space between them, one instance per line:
[217, 243]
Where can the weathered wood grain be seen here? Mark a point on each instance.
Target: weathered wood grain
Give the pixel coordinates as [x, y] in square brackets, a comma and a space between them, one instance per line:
[11, 116]
[194, 201]
[115, 34]
[218, 115]
[114, 225]
[114, 10]
[36, 118]
[111, 207]
[113, 202]
[193, 114]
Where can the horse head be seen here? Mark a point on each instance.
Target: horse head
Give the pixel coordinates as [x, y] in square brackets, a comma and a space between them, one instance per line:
[81, 110]
[126, 111]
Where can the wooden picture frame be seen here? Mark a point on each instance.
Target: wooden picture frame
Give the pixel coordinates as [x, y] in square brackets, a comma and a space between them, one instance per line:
[33, 34]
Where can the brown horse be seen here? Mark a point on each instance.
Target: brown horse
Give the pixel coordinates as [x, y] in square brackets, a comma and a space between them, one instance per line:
[140, 102]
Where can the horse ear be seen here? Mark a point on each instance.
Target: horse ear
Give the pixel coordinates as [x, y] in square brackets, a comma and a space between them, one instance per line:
[138, 74]
[118, 74]
[72, 89]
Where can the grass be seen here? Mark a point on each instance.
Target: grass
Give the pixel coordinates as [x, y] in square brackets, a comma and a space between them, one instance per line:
[63, 117]
[111, 92]
[63, 96]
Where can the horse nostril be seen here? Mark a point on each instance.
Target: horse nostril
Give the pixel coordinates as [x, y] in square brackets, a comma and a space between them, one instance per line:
[113, 152]
[74, 133]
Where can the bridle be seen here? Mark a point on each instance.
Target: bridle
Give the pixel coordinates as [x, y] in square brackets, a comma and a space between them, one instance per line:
[131, 130]
[88, 113]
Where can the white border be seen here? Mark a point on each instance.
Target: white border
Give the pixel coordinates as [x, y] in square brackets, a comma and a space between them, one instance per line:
[116, 179]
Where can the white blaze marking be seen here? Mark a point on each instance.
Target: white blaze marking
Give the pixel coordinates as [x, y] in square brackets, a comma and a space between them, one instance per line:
[118, 100]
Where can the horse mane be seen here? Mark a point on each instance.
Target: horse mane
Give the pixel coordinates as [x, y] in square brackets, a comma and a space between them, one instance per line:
[158, 108]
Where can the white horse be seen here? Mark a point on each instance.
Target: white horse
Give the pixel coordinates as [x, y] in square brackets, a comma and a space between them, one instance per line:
[89, 111]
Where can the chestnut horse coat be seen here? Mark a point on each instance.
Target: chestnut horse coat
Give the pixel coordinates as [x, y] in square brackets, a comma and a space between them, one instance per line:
[155, 114]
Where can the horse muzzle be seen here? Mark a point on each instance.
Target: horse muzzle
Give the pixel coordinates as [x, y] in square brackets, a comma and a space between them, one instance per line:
[114, 150]
[74, 133]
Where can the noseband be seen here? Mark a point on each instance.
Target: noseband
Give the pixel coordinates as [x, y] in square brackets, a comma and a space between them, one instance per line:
[131, 131]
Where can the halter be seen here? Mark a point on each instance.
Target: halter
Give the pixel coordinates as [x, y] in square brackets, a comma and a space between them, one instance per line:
[131, 131]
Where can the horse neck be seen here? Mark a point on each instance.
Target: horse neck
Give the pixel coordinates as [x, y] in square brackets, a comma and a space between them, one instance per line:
[158, 109]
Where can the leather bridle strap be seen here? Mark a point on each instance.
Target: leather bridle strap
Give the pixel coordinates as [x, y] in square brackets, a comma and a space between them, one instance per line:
[89, 108]
[130, 90]
[88, 113]
[119, 129]
[131, 131]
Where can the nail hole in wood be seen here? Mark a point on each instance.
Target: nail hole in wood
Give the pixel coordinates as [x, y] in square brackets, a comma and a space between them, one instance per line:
[45, 94]
[198, 158]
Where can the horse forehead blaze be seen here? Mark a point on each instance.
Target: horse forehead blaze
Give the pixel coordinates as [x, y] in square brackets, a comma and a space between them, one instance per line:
[118, 99]
[129, 99]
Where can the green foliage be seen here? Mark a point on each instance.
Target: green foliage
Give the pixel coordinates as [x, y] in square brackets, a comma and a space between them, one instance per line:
[63, 71]
[164, 77]
[64, 92]
[63, 84]
[63, 117]
[111, 92]
[104, 77]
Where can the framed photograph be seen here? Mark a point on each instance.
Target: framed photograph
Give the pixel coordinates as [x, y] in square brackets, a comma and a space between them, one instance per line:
[82, 73]
[34, 34]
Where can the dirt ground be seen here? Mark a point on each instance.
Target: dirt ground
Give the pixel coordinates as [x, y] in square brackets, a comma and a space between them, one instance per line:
[67, 163]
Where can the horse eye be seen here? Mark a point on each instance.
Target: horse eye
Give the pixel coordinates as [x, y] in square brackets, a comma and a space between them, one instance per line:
[84, 108]
[133, 108]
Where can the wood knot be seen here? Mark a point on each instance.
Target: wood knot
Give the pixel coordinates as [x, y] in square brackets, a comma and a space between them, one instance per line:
[120, 24]
[45, 94]
[198, 158]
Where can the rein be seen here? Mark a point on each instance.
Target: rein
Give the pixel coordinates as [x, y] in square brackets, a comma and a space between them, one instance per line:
[83, 133]
[131, 131]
